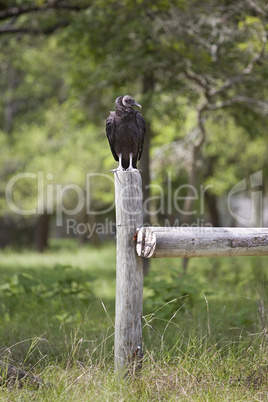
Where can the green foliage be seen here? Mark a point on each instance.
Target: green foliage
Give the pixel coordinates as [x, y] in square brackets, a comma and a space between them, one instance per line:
[226, 136]
[57, 90]
[43, 289]
[170, 294]
[35, 291]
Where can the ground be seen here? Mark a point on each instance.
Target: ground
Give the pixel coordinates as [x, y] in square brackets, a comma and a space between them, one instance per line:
[205, 332]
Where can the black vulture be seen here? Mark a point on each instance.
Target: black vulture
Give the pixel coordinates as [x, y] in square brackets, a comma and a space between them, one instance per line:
[126, 129]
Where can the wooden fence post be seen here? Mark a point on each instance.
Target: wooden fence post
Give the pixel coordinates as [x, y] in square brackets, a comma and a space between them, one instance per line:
[129, 272]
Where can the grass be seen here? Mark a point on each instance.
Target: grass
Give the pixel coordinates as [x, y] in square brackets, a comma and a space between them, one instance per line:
[205, 332]
[200, 371]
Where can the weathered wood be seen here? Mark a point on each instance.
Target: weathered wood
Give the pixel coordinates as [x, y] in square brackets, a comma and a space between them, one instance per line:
[162, 242]
[129, 272]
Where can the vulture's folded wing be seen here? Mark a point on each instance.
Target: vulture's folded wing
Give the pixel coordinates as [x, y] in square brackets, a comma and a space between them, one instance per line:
[142, 126]
[110, 132]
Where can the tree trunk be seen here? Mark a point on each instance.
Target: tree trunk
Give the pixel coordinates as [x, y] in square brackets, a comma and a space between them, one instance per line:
[10, 102]
[210, 198]
[42, 232]
[193, 173]
[211, 201]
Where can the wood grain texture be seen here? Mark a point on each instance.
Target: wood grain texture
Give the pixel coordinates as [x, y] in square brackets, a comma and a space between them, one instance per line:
[129, 271]
[161, 242]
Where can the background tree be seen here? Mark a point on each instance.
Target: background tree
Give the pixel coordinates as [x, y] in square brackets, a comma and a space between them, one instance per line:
[198, 68]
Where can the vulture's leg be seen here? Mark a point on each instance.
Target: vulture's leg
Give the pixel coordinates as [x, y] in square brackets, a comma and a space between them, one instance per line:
[120, 167]
[130, 163]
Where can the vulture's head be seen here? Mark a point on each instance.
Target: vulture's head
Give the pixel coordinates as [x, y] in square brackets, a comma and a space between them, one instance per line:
[118, 101]
[128, 101]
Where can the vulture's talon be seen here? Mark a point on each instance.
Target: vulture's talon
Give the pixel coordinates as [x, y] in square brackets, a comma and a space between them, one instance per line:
[131, 169]
[117, 170]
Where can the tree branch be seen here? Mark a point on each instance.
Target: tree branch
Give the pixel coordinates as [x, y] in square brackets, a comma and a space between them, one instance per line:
[11, 30]
[237, 79]
[258, 10]
[49, 4]
[12, 14]
[199, 79]
[262, 105]
[17, 11]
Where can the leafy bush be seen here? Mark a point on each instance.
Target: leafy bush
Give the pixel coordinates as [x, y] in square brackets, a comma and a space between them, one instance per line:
[32, 289]
[170, 294]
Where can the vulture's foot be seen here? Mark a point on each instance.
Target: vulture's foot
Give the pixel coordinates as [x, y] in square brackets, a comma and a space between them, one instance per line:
[117, 170]
[132, 169]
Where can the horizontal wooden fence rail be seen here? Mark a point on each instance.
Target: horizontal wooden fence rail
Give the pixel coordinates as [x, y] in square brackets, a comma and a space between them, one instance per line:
[159, 242]
[163, 242]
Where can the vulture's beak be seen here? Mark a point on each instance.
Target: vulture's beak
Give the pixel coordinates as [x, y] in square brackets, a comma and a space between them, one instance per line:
[137, 104]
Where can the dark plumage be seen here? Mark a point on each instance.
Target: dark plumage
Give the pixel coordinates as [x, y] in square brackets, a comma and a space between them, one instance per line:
[126, 129]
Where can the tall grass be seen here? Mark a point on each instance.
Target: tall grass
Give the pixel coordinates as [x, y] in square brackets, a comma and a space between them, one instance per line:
[196, 370]
[205, 333]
